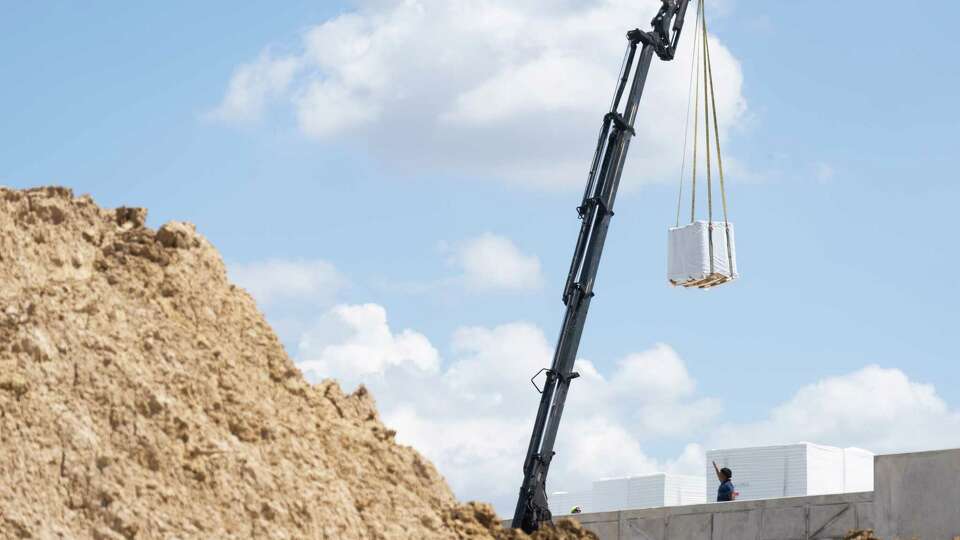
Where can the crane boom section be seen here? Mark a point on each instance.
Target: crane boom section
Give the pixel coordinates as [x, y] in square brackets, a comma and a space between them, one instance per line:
[595, 211]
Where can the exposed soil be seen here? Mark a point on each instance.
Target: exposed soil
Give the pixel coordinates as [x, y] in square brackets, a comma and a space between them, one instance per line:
[142, 395]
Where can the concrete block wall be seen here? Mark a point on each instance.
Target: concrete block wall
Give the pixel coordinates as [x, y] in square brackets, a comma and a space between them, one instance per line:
[824, 517]
[917, 496]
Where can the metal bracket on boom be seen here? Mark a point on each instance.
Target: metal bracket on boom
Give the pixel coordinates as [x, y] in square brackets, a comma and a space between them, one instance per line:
[618, 122]
[595, 212]
[663, 38]
[551, 373]
[591, 203]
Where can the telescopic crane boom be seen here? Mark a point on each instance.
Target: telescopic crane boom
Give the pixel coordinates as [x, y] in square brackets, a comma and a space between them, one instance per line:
[595, 212]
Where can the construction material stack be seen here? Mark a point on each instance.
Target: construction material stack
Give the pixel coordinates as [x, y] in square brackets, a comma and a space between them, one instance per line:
[699, 255]
[702, 254]
[793, 470]
[647, 491]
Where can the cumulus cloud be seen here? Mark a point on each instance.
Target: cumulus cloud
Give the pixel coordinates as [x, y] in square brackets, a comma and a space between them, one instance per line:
[880, 409]
[651, 391]
[471, 413]
[472, 416]
[491, 262]
[513, 89]
[355, 343]
[284, 280]
[253, 85]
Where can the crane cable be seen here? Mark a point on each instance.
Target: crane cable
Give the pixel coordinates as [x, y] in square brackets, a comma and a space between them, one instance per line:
[716, 129]
[701, 54]
[694, 79]
[706, 132]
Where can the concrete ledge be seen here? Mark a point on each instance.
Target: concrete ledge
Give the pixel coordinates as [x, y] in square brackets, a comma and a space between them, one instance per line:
[791, 518]
[917, 496]
[740, 506]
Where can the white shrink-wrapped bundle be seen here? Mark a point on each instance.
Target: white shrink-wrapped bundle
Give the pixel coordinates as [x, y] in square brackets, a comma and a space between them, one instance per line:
[610, 494]
[857, 470]
[792, 470]
[562, 503]
[689, 255]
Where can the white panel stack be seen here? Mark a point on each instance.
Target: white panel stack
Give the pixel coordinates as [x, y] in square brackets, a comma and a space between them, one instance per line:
[792, 470]
[647, 491]
[610, 494]
[689, 255]
[681, 489]
[857, 470]
[761, 473]
[562, 502]
[824, 469]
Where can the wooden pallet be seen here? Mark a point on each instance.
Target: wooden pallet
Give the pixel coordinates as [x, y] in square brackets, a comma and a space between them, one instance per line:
[707, 282]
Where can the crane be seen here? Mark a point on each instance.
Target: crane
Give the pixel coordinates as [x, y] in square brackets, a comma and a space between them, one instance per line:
[595, 211]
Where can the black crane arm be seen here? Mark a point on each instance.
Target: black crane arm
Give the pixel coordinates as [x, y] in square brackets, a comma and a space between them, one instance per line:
[595, 212]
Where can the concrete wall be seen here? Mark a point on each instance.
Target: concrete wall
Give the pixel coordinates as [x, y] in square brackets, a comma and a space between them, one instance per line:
[793, 518]
[916, 496]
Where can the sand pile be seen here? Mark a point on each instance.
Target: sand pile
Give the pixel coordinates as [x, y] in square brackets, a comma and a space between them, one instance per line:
[860, 535]
[144, 396]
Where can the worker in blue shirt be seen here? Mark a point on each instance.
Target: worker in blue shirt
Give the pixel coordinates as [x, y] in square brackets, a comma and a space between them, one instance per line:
[726, 492]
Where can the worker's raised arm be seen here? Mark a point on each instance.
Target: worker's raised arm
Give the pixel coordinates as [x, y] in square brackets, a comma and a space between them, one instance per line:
[719, 476]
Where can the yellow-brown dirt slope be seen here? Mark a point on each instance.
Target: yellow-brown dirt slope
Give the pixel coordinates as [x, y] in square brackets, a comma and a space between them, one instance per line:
[144, 396]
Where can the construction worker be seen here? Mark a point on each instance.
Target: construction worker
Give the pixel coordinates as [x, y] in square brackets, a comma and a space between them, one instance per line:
[726, 492]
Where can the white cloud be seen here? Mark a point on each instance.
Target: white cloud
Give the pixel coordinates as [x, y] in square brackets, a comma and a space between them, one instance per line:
[597, 447]
[672, 381]
[354, 343]
[652, 392]
[473, 416]
[880, 409]
[253, 85]
[491, 262]
[691, 461]
[511, 88]
[283, 280]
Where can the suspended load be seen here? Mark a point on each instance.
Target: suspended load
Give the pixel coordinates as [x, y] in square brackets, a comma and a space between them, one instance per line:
[699, 256]
[702, 254]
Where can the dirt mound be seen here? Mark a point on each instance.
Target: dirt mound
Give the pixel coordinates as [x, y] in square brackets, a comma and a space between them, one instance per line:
[478, 520]
[144, 396]
[860, 535]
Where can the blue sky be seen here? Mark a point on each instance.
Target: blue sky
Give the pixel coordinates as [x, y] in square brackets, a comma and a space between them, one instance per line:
[843, 186]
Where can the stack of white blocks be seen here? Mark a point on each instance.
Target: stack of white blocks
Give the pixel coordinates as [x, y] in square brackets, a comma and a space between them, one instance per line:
[563, 502]
[683, 489]
[647, 491]
[698, 256]
[792, 470]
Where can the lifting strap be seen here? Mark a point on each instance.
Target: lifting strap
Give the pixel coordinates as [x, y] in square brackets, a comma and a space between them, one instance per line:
[706, 132]
[694, 85]
[716, 129]
[701, 56]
